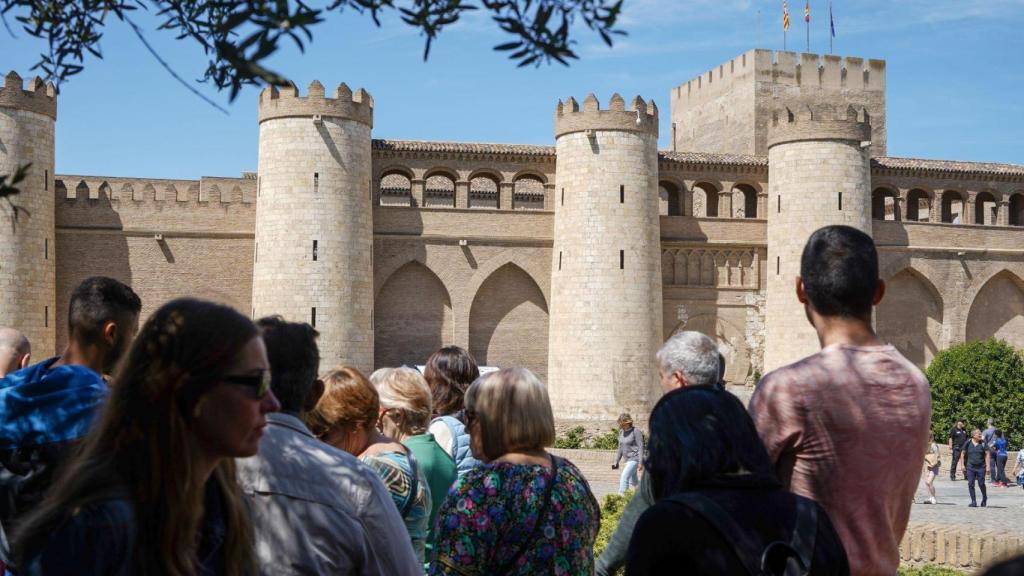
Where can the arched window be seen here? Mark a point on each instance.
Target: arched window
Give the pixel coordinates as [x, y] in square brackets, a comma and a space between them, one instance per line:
[883, 204]
[952, 207]
[918, 206]
[744, 203]
[1016, 210]
[439, 191]
[986, 210]
[705, 200]
[670, 201]
[483, 192]
[395, 190]
[528, 193]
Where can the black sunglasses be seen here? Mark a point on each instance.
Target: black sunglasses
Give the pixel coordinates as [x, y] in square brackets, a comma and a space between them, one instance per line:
[259, 382]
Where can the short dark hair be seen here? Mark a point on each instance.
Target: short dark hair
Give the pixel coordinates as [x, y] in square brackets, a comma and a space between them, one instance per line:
[699, 434]
[96, 301]
[294, 360]
[839, 269]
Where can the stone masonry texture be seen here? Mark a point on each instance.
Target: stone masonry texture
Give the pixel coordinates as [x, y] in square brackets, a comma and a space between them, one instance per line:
[422, 244]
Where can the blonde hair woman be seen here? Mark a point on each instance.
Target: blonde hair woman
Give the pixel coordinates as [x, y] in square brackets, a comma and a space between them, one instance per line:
[931, 465]
[347, 417]
[523, 511]
[405, 410]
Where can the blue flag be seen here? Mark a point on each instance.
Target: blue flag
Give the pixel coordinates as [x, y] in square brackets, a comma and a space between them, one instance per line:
[831, 22]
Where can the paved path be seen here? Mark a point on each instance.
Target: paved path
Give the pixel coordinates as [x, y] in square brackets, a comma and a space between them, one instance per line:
[1005, 511]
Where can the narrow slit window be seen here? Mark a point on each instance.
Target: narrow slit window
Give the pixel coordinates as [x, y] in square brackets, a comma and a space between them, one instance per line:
[46, 249]
[778, 265]
[314, 250]
[312, 316]
[559, 259]
[778, 202]
[316, 182]
[622, 194]
[563, 196]
[622, 259]
[46, 316]
[840, 200]
[46, 179]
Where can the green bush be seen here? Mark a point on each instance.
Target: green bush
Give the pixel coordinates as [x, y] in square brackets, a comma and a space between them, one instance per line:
[611, 511]
[608, 441]
[573, 439]
[928, 570]
[975, 381]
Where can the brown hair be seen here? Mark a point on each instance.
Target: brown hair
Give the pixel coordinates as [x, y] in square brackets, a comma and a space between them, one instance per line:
[514, 412]
[142, 443]
[349, 399]
[449, 372]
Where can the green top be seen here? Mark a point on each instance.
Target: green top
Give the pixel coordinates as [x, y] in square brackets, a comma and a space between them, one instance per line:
[439, 469]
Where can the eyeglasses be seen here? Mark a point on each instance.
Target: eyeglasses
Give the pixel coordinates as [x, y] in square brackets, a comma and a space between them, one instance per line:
[259, 382]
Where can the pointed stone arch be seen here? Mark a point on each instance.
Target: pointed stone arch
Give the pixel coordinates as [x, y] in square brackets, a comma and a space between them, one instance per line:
[911, 316]
[412, 316]
[730, 339]
[998, 310]
[508, 321]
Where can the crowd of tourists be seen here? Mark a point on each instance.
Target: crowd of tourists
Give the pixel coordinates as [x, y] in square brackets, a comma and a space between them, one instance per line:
[204, 443]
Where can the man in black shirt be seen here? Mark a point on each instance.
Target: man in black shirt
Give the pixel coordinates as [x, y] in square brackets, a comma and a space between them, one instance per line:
[976, 455]
[957, 437]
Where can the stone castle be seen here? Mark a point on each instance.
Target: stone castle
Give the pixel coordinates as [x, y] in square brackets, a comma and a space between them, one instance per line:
[575, 260]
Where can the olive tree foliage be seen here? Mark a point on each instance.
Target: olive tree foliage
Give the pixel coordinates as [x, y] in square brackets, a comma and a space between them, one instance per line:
[239, 36]
[976, 381]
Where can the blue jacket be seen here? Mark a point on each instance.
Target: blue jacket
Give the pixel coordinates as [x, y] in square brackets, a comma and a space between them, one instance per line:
[43, 412]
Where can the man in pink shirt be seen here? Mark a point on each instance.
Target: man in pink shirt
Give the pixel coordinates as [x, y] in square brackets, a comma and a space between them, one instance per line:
[848, 426]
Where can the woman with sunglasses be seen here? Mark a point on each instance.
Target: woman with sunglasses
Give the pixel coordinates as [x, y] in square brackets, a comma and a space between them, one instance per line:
[153, 489]
[523, 511]
[348, 416]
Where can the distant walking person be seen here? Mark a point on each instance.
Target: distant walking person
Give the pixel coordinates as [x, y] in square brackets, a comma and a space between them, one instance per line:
[1018, 469]
[976, 457]
[1000, 451]
[987, 435]
[957, 436]
[15, 351]
[831, 421]
[932, 463]
[631, 448]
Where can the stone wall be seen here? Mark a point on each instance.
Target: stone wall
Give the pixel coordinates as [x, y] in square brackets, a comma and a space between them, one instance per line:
[27, 260]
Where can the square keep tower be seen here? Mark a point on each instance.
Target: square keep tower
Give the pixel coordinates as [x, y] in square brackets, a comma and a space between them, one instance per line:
[728, 109]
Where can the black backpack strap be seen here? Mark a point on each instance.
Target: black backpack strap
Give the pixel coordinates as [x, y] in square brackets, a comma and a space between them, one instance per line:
[756, 557]
[746, 549]
[511, 562]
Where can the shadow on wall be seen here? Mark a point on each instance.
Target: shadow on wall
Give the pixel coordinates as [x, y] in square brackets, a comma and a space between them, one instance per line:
[508, 322]
[910, 316]
[90, 242]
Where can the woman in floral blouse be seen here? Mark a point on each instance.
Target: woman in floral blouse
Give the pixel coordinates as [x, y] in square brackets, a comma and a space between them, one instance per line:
[524, 511]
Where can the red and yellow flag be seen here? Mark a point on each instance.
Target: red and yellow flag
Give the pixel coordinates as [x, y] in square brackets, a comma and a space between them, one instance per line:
[785, 16]
[807, 11]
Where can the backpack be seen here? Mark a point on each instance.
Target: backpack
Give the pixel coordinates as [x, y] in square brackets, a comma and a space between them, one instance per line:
[464, 461]
[759, 558]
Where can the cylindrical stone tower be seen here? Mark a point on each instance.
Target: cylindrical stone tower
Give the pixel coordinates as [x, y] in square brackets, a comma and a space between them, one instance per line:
[819, 174]
[605, 324]
[27, 273]
[314, 218]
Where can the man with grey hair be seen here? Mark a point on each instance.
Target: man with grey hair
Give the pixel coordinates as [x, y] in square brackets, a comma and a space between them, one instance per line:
[686, 359]
[15, 351]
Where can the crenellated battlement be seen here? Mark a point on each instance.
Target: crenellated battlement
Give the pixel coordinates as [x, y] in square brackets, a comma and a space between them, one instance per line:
[640, 117]
[205, 192]
[39, 97]
[806, 70]
[286, 103]
[820, 122]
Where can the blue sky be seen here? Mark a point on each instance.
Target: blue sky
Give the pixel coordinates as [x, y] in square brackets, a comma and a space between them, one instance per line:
[955, 80]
